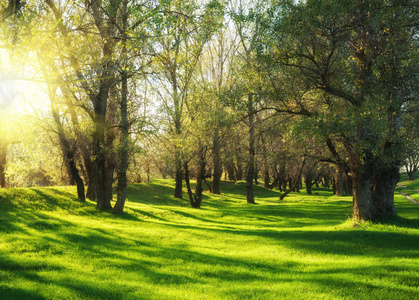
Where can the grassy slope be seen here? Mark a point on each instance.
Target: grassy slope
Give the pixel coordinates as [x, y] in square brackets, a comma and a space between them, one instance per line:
[304, 247]
[411, 187]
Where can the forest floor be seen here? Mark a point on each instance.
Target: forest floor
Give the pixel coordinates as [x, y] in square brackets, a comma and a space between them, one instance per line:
[53, 246]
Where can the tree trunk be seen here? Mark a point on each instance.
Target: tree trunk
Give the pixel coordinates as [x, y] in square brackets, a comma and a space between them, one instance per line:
[178, 179]
[195, 202]
[99, 145]
[3, 160]
[75, 175]
[88, 165]
[250, 174]
[293, 183]
[200, 177]
[383, 187]
[364, 208]
[338, 183]
[256, 174]
[230, 171]
[308, 179]
[218, 168]
[239, 170]
[188, 184]
[266, 178]
[275, 181]
[410, 175]
[121, 190]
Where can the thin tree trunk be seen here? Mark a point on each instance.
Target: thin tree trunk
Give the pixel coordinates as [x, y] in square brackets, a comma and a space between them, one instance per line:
[178, 179]
[218, 169]
[251, 163]
[124, 128]
[3, 160]
[200, 177]
[293, 183]
[188, 184]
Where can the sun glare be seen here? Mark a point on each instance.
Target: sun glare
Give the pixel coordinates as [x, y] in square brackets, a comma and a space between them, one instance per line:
[8, 91]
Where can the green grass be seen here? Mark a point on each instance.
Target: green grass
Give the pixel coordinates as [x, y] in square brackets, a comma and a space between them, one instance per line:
[412, 188]
[304, 247]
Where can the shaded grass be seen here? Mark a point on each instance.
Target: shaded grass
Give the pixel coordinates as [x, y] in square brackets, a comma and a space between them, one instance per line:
[305, 247]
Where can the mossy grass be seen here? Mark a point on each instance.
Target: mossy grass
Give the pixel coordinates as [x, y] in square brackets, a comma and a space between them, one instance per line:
[53, 246]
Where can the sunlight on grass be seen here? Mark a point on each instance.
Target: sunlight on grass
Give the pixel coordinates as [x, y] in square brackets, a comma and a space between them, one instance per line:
[303, 247]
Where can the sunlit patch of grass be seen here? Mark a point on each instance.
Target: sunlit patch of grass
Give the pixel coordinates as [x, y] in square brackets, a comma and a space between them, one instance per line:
[410, 188]
[53, 246]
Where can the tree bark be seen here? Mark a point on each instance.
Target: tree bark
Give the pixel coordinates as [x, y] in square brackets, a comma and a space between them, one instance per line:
[3, 161]
[230, 171]
[200, 177]
[383, 186]
[188, 184]
[121, 190]
[364, 208]
[338, 183]
[308, 179]
[178, 179]
[250, 174]
[218, 168]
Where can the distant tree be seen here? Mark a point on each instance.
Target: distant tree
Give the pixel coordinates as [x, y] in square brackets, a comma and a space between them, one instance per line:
[183, 30]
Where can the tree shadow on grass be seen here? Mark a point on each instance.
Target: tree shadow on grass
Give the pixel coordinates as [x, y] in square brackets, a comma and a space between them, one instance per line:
[154, 193]
[157, 264]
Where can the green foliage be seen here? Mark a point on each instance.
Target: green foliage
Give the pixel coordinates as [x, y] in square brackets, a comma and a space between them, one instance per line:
[54, 247]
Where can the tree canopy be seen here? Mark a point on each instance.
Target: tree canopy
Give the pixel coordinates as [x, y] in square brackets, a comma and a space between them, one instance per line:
[324, 91]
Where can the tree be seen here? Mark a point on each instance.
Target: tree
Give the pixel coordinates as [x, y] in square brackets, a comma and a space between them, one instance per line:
[12, 8]
[184, 30]
[351, 62]
[217, 78]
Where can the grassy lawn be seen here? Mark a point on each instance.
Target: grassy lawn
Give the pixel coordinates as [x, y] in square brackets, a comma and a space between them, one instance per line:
[304, 247]
[410, 188]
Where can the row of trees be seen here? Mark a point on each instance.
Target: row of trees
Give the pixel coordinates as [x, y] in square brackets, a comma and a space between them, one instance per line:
[319, 90]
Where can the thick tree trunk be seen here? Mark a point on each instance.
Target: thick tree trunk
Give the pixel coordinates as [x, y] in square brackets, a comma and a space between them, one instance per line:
[364, 208]
[338, 183]
[410, 175]
[308, 179]
[102, 183]
[383, 187]
[100, 176]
